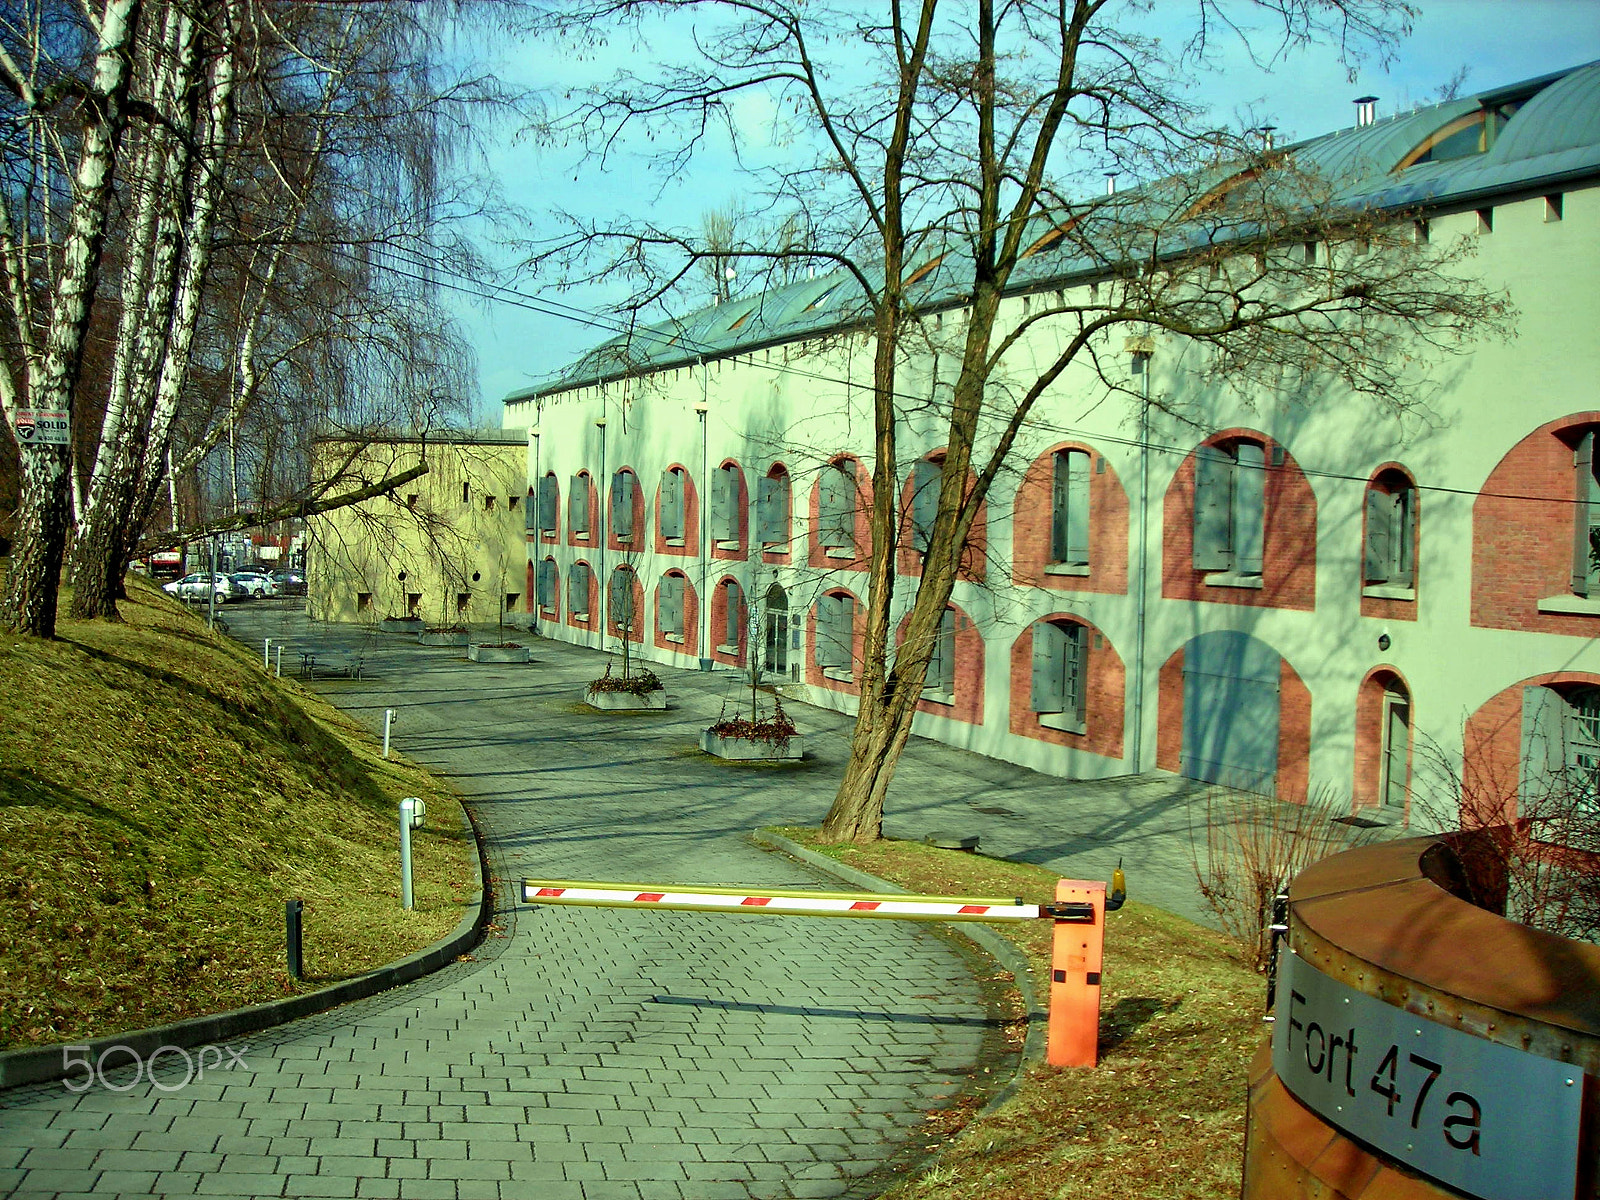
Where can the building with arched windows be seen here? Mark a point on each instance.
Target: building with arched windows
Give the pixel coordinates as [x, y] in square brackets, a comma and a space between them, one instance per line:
[1294, 597]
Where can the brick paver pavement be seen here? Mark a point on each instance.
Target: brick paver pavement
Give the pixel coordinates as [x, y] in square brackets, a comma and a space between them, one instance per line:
[585, 1054]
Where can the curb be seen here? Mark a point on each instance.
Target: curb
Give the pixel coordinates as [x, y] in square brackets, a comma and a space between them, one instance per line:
[40, 1064]
[999, 948]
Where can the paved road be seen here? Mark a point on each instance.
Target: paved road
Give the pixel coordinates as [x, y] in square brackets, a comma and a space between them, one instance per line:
[584, 1053]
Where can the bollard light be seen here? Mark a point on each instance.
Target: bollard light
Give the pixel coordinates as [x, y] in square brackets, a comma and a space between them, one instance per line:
[411, 814]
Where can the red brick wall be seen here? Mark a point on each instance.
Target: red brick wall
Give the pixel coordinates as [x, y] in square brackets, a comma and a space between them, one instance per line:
[815, 557]
[637, 633]
[1294, 735]
[590, 538]
[1289, 540]
[719, 624]
[691, 517]
[1491, 752]
[814, 673]
[1104, 703]
[1522, 534]
[782, 556]
[974, 555]
[636, 542]
[691, 620]
[1377, 606]
[968, 692]
[1108, 526]
[740, 552]
[593, 622]
[530, 595]
[1169, 713]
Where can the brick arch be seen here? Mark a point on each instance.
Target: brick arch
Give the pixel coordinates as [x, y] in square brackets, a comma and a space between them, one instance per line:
[595, 583]
[969, 671]
[1108, 526]
[741, 516]
[863, 522]
[592, 537]
[814, 674]
[780, 470]
[1492, 750]
[1289, 535]
[1105, 702]
[1522, 533]
[691, 517]
[1366, 787]
[637, 539]
[551, 612]
[691, 617]
[974, 555]
[736, 657]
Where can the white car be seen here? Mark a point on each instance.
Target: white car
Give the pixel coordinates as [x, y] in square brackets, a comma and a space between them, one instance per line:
[256, 585]
[199, 587]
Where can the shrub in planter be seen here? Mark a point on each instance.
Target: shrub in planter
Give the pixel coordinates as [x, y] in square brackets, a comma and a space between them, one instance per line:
[639, 688]
[773, 735]
[445, 635]
[498, 652]
[400, 624]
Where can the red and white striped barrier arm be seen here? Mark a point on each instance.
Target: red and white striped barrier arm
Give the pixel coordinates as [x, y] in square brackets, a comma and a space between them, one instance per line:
[776, 902]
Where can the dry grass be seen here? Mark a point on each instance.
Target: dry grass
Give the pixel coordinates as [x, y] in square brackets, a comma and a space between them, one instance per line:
[1162, 1117]
[160, 800]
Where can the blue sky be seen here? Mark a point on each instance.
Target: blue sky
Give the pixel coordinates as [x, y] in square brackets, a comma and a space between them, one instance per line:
[1309, 92]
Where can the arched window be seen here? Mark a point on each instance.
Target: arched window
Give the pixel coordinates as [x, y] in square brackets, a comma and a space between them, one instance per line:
[622, 609]
[549, 587]
[578, 503]
[580, 583]
[549, 504]
[772, 510]
[1059, 691]
[624, 500]
[1390, 553]
[775, 630]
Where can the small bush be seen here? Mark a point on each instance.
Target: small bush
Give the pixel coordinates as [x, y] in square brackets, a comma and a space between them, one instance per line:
[639, 682]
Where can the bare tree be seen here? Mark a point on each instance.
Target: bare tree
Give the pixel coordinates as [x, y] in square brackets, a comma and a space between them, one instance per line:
[955, 150]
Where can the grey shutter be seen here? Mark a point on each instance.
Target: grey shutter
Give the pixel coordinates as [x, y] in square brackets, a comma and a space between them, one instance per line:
[925, 483]
[1583, 493]
[578, 505]
[578, 586]
[547, 584]
[1380, 536]
[1075, 680]
[530, 513]
[1049, 668]
[725, 505]
[621, 600]
[1213, 502]
[834, 631]
[1249, 508]
[672, 504]
[769, 510]
[1544, 747]
[622, 485]
[731, 623]
[549, 498]
[1077, 522]
[945, 653]
[675, 604]
[838, 508]
[1405, 537]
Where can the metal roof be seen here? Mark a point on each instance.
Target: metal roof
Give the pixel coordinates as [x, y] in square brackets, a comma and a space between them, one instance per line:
[1554, 137]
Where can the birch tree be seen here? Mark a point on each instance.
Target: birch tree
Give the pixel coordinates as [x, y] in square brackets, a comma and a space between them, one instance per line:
[962, 138]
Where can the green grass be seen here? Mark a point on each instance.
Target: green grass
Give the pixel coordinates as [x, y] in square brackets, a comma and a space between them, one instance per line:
[160, 799]
[1161, 1117]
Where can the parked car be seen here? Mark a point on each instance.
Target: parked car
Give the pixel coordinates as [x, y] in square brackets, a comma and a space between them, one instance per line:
[199, 587]
[256, 585]
[290, 583]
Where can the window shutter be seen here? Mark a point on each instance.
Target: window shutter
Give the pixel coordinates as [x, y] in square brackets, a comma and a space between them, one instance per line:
[622, 505]
[547, 584]
[945, 653]
[730, 604]
[672, 504]
[838, 507]
[1248, 517]
[1075, 659]
[549, 498]
[925, 484]
[834, 615]
[1582, 513]
[1405, 537]
[1380, 536]
[1075, 544]
[769, 510]
[621, 602]
[578, 505]
[1049, 668]
[578, 585]
[530, 515]
[1544, 749]
[1213, 500]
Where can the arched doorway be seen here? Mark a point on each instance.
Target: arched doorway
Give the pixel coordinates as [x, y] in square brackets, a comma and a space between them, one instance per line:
[1394, 756]
[1231, 710]
[775, 642]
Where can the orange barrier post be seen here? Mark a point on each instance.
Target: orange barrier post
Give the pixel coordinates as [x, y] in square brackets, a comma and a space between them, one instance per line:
[1075, 964]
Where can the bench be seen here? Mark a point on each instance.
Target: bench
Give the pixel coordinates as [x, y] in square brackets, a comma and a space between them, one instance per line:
[330, 664]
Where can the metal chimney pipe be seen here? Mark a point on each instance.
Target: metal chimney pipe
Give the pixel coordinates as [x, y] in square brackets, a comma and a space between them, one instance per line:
[1366, 110]
[1111, 183]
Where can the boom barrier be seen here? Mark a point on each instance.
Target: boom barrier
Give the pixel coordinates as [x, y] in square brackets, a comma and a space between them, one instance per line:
[1078, 912]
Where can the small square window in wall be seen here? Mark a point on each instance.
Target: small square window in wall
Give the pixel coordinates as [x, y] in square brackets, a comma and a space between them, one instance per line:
[463, 599]
[466, 493]
[488, 504]
[363, 601]
[1552, 207]
[411, 500]
[1486, 220]
[511, 601]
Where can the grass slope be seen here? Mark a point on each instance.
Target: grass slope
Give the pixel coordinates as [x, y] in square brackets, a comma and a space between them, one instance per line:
[1161, 1117]
[160, 799]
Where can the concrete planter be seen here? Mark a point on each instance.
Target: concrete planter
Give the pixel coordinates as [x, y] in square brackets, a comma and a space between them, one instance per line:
[497, 654]
[626, 701]
[738, 749]
[400, 625]
[443, 637]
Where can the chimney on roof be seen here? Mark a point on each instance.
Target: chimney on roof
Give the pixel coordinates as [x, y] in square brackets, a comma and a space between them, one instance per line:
[1266, 136]
[1111, 183]
[1366, 110]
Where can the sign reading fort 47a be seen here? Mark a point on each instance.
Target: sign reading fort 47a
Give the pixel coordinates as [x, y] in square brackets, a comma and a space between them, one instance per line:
[1486, 1119]
[41, 427]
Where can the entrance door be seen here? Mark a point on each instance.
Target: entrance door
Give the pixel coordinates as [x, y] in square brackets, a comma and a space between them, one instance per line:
[775, 643]
[1230, 711]
[1396, 748]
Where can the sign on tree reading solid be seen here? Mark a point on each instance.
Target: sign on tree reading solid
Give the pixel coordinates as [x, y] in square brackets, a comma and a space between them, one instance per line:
[41, 427]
